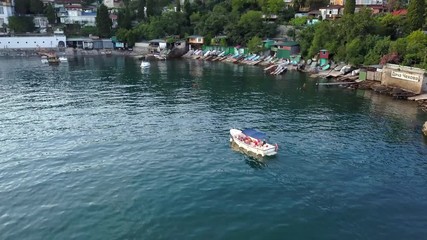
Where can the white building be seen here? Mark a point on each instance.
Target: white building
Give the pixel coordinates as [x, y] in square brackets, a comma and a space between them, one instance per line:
[331, 12]
[32, 42]
[370, 2]
[113, 3]
[40, 22]
[75, 14]
[6, 10]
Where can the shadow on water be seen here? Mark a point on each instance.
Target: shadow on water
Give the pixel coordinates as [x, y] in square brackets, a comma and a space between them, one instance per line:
[253, 160]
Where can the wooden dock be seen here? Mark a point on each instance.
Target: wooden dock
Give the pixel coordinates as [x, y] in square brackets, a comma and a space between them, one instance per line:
[418, 97]
[335, 83]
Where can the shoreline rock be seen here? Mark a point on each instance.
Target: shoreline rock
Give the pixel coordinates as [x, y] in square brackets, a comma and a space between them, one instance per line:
[425, 129]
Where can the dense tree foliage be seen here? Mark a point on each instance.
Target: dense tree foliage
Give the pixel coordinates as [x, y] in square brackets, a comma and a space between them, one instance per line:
[140, 9]
[50, 13]
[103, 21]
[416, 14]
[124, 18]
[21, 24]
[363, 38]
[350, 7]
[255, 44]
[357, 38]
[23, 7]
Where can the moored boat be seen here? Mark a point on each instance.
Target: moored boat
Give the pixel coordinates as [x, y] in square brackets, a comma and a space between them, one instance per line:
[44, 59]
[63, 59]
[53, 60]
[253, 141]
[145, 64]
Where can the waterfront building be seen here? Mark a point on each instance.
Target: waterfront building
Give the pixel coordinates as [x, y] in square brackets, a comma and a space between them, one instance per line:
[156, 45]
[32, 42]
[285, 49]
[195, 41]
[410, 79]
[6, 11]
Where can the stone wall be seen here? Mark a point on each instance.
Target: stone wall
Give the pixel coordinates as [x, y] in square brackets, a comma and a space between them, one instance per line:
[407, 78]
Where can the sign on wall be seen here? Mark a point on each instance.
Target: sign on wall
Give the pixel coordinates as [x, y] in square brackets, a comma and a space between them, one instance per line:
[406, 76]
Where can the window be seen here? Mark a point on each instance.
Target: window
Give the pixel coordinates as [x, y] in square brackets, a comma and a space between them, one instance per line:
[1, 10]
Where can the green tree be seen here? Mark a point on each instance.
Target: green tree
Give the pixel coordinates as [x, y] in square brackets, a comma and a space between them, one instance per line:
[178, 5]
[305, 39]
[50, 13]
[151, 8]
[350, 7]
[103, 21]
[323, 38]
[140, 9]
[390, 25]
[381, 49]
[271, 6]
[127, 36]
[249, 25]
[415, 49]
[124, 18]
[297, 4]
[213, 22]
[244, 5]
[36, 7]
[22, 7]
[416, 14]
[88, 30]
[255, 45]
[316, 4]
[187, 8]
[21, 24]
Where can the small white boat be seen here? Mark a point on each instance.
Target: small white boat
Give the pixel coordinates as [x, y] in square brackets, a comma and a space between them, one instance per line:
[44, 59]
[145, 64]
[63, 59]
[253, 141]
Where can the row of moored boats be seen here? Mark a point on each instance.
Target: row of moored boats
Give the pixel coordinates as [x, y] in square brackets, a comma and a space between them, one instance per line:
[272, 65]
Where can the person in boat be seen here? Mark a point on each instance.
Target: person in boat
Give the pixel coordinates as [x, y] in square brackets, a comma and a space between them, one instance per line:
[263, 142]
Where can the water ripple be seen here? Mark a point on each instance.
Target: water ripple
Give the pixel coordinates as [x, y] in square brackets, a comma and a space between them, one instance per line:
[98, 149]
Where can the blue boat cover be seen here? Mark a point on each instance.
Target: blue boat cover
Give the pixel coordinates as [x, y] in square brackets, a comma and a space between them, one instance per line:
[254, 133]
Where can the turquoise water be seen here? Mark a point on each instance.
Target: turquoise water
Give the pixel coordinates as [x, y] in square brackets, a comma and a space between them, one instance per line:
[97, 149]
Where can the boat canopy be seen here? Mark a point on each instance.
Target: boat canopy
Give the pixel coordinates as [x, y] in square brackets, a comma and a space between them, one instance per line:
[254, 133]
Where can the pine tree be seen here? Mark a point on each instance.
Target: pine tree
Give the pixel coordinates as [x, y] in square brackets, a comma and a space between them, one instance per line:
[141, 9]
[416, 11]
[103, 21]
[50, 13]
[150, 8]
[178, 5]
[350, 6]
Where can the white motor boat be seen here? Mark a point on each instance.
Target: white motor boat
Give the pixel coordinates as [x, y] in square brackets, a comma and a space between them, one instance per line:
[44, 59]
[145, 64]
[253, 141]
[63, 59]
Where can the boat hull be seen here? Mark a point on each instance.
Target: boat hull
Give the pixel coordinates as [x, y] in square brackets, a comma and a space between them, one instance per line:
[238, 137]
